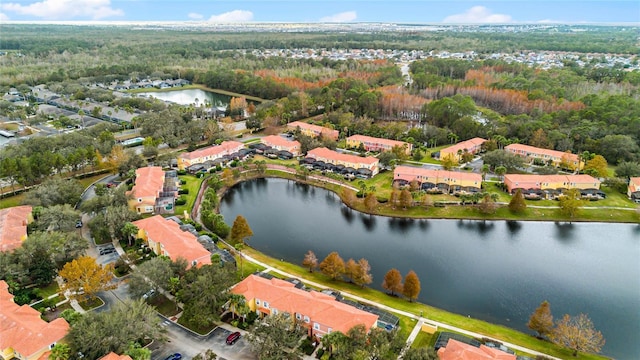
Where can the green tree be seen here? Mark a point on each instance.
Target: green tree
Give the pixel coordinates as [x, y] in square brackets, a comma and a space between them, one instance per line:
[333, 266]
[129, 231]
[55, 191]
[138, 352]
[628, 169]
[449, 162]
[411, 287]
[500, 171]
[207, 355]
[517, 205]
[276, 338]
[240, 230]
[392, 282]
[578, 334]
[154, 274]
[58, 217]
[60, 351]
[541, 321]
[570, 203]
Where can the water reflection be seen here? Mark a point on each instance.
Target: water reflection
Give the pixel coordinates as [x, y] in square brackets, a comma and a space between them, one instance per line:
[423, 224]
[401, 224]
[514, 228]
[347, 214]
[564, 232]
[368, 221]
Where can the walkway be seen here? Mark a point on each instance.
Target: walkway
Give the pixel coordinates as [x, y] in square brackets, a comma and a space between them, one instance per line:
[419, 319]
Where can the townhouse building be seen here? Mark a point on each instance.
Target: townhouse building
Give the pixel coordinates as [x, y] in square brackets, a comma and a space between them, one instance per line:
[377, 144]
[319, 312]
[553, 157]
[633, 190]
[210, 153]
[13, 226]
[550, 182]
[353, 161]
[455, 151]
[279, 143]
[447, 181]
[313, 130]
[153, 191]
[166, 238]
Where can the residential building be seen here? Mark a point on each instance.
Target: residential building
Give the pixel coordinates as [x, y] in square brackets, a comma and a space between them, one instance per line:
[319, 312]
[553, 157]
[165, 238]
[377, 144]
[313, 130]
[447, 181]
[114, 356]
[550, 182]
[353, 161]
[633, 190]
[472, 146]
[154, 191]
[13, 226]
[23, 333]
[456, 350]
[279, 143]
[208, 154]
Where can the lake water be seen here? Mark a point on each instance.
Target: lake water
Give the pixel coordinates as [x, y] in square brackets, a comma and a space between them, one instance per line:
[495, 271]
[189, 96]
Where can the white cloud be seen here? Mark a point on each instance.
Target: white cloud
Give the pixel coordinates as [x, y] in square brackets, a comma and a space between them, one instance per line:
[232, 16]
[3, 17]
[65, 9]
[195, 16]
[478, 14]
[346, 16]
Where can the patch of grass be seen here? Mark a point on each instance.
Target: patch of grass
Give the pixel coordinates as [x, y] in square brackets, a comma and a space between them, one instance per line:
[164, 306]
[11, 201]
[49, 290]
[193, 185]
[425, 339]
[202, 330]
[405, 326]
[91, 304]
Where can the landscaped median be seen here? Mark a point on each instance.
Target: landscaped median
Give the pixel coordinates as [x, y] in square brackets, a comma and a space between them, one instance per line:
[490, 330]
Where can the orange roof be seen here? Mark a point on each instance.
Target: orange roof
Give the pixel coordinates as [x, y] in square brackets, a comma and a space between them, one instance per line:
[319, 307]
[13, 226]
[149, 182]
[114, 356]
[412, 172]
[540, 151]
[364, 138]
[315, 128]
[456, 350]
[324, 153]
[225, 148]
[22, 329]
[276, 140]
[467, 144]
[634, 184]
[176, 243]
[576, 179]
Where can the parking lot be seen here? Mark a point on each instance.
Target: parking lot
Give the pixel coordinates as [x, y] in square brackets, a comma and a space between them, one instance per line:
[188, 344]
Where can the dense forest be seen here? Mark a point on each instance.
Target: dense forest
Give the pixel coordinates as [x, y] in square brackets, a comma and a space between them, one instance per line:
[589, 103]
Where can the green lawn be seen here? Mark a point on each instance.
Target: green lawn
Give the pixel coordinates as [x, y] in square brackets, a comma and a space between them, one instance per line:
[482, 327]
[164, 306]
[49, 290]
[91, 304]
[11, 201]
[424, 340]
[193, 184]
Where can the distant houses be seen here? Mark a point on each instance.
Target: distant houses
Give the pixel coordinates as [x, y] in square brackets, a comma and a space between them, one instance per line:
[23, 333]
[154, 191]
[166, 238]
[368, 165]
[438, 180]
[320, 313]
[551, 157]
[13, 226]
[377, 144]
[208, 154]
[472, 146]
[313, 130]
[633, 190]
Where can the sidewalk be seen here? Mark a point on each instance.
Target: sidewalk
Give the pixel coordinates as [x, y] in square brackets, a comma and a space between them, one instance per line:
[403, 313]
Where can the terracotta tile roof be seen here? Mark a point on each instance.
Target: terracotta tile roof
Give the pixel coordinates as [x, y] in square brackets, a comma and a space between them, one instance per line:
[568, 179]
[534, 150]
[324, 153]
[276, 140]
[467, 144]
[225, 148]
[319, 307]
[311, 127]
[634, 184]
[13, 226]
[456, 350]
[149, 182]
[22, 329]
[176, 243]
[409, 173]
[114, 356]
[371, 139]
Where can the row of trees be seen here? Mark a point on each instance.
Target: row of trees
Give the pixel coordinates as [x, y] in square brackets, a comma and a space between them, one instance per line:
[333, 266]
[393, 283]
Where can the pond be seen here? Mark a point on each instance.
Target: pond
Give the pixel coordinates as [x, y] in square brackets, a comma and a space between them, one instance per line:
[495, 270]
[191, 96]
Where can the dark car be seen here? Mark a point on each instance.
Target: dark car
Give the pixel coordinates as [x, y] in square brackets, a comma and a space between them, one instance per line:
[78, 224]
[176, 356]
[233, 337]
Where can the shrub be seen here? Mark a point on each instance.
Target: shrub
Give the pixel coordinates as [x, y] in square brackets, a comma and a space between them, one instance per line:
[181, 201]
[181, 172]
[183, 191]
[319, 353]
[183, 182]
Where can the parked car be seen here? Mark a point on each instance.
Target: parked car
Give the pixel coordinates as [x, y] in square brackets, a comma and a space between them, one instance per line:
[233, 337]
[78, 224]
[148, 295]
[176, 356]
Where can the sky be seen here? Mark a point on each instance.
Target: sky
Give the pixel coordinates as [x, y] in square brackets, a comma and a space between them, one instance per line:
[339, 11]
